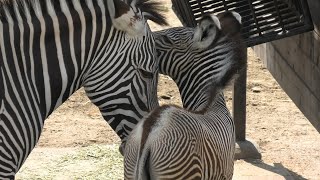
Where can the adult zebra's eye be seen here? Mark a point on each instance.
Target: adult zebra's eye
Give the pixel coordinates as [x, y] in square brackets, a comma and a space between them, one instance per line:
[146, 74]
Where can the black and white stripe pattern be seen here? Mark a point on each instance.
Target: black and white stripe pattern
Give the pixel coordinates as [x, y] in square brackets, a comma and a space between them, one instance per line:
[49, 49]
[197, 142]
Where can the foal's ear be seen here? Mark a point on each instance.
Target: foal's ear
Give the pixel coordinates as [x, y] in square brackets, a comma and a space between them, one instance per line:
[124, 18]
[237, 16]
[206, 31]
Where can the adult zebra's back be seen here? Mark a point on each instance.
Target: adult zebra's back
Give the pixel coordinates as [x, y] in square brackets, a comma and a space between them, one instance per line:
[49, 49]
[197, 142]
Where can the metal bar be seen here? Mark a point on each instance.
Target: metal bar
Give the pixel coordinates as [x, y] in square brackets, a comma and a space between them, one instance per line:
[254, 16]
[259, 40]
[257, 26]
[280, 16]
[225, 5]
[200, 7]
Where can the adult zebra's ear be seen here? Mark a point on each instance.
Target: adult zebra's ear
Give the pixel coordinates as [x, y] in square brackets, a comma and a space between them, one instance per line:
[153, 11]
[206, 31]
[125, 18]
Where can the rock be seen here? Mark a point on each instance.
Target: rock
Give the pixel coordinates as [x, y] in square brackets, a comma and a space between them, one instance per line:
[256, 89]
[254, 104]
[165, 97]
[247, 149]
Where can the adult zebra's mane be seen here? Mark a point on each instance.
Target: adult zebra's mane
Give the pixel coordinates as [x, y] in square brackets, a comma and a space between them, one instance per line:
[151, 9]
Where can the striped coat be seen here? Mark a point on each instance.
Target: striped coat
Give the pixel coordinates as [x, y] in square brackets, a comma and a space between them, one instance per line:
[51, 48]
[197, 141]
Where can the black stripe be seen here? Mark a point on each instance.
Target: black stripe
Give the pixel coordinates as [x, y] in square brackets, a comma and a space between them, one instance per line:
[52, 61]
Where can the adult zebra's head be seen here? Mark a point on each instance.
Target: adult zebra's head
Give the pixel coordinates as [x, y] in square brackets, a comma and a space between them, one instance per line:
[200, 58]
[125, 88]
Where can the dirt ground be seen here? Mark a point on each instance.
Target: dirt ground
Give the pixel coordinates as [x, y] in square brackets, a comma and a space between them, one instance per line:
[284, 135]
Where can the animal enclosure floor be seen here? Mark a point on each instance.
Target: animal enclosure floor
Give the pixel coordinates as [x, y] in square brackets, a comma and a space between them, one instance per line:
[286, 139]
[104, 162]
[254, 169]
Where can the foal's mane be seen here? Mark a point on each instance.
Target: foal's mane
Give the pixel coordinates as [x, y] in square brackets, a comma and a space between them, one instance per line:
[151, 8]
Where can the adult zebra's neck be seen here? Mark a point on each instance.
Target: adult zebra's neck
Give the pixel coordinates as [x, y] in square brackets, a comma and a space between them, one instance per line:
[48, 47]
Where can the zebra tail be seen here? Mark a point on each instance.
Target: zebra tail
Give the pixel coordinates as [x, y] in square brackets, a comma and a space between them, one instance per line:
[143, 169]
[151, 128]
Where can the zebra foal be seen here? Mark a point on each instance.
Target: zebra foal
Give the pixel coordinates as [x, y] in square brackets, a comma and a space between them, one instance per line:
[51, 48]
[197, 142]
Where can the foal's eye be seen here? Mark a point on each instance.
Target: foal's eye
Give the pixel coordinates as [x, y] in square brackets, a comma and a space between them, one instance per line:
[146, 74]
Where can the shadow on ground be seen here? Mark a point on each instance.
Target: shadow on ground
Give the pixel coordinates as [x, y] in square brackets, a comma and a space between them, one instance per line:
[278, 168]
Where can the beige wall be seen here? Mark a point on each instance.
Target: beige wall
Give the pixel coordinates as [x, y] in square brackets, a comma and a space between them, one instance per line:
[295, 63]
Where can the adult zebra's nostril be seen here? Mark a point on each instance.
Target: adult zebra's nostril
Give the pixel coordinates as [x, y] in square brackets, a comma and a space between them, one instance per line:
[146, 74]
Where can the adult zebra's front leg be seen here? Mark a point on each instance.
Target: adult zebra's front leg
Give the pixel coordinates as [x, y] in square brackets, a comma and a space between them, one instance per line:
[16, 142]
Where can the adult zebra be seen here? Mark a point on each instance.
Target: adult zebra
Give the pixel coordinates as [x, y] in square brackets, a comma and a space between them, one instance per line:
[49, 49]
[197, 142]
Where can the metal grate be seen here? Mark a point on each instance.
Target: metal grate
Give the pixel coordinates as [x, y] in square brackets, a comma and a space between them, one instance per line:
[263, 20]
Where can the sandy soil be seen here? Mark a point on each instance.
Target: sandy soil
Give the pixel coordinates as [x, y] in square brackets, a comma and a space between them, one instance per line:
[273, 121]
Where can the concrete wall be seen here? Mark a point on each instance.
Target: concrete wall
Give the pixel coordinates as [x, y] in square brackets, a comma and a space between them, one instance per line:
[295, 63]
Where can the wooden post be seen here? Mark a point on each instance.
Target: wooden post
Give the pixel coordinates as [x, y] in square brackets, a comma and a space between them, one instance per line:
[244, 149]
[239, 105]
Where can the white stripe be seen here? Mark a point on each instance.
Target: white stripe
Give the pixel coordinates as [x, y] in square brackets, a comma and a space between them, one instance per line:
[63, 71]
[46, 78]
[66, 11]
[104, 21]
[94, 28]
[25, 142]
[2, 102]
[110, 51]
[13, 123]
[4, 167]
[37, 7]
[32, 70]
[7, 174]
[7, 162]
[12, 139]
[2, 150]
[106, 54]
[110, 72]
[32, 67]
[78, 8]
[23, 106]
